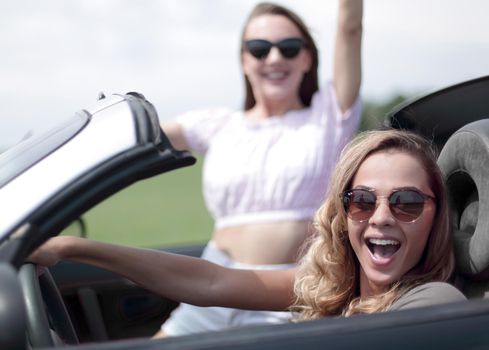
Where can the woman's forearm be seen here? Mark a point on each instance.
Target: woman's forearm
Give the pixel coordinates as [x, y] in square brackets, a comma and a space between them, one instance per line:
[350, 13]
[151, 269]
[177, 277]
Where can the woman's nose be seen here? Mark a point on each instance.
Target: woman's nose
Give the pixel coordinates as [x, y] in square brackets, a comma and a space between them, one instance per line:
[274, 54]
[382, 214]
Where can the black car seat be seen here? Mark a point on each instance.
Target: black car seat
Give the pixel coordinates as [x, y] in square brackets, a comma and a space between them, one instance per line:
[464, 160]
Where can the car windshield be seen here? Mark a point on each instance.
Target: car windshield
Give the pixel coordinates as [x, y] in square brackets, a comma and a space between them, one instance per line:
[25, 154]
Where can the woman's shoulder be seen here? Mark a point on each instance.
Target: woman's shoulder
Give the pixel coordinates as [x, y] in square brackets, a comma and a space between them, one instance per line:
[200, 126]
[431, 293]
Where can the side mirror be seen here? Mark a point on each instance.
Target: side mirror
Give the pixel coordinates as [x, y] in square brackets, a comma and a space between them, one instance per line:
[12, 310]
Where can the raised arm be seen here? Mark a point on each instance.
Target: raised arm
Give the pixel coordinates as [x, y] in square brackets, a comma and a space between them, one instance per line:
[347, 70]
[177, 277]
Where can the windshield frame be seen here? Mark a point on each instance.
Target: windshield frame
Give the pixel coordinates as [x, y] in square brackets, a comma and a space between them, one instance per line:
[22, 156]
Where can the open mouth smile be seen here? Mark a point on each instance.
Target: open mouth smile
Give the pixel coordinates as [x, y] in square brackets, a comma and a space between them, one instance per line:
[275, 76]
[382, 250]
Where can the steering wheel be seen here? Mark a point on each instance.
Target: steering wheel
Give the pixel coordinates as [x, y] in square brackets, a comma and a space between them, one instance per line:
[44, 304]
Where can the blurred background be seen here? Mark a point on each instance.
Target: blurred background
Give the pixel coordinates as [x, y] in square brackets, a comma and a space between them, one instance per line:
[57, 55]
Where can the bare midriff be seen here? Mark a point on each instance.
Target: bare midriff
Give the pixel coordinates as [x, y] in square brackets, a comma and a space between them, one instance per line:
[264, 243]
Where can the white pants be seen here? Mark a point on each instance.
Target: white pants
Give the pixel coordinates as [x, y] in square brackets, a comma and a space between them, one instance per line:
[187, 319]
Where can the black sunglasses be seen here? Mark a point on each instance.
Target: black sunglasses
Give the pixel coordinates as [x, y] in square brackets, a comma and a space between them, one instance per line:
[406, 205]
[289, 48]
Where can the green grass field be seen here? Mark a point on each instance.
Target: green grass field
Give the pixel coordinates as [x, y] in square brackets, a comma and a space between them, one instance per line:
[160, 211]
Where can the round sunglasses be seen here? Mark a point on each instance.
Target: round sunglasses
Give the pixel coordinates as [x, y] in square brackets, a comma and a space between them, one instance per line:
[406, 205]
[289, 47]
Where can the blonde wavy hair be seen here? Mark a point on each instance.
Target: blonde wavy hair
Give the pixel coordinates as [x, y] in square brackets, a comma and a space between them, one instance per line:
[327, 283]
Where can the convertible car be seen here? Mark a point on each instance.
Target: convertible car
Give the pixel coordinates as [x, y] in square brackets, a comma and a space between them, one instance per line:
[48, 181]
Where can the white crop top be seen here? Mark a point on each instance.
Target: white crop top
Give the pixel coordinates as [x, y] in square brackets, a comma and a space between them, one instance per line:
[271, 169]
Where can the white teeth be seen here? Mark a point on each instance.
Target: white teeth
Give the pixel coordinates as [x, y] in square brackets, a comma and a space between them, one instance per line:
[383, 241]
[276, 75]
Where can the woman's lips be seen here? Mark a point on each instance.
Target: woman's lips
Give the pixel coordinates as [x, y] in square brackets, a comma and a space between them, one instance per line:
[382, 250]
[275, 76]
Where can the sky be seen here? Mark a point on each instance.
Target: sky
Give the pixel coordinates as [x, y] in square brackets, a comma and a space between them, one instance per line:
[57, 55]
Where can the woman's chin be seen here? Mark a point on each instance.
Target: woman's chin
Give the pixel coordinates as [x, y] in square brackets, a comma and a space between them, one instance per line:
[378, 281]
[279, 96]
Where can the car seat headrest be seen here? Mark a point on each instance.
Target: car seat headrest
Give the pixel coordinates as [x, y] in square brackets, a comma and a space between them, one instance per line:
[464, 160]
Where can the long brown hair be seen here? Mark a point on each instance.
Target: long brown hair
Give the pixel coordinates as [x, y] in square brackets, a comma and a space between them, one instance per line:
[327, 283]
[309, 84]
